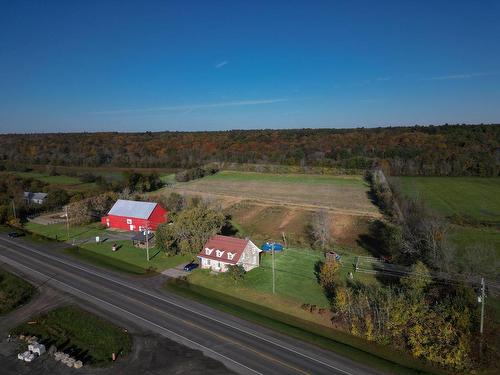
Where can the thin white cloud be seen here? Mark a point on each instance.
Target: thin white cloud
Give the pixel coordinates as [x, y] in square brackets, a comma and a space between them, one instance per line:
[221, 64]
[461, 76]
[383, 79]
[191, 107]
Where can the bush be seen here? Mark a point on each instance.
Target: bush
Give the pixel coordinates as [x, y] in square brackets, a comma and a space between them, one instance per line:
[195, 173]
[236, 272]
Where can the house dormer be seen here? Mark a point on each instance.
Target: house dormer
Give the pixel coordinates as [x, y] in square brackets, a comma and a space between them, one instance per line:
[230, 256]
[209, 251]
[219, 253]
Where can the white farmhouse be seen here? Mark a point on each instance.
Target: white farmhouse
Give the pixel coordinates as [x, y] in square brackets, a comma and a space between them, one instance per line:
[221, 251]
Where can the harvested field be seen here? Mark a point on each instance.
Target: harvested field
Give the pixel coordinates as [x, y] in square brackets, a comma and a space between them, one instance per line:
[262, 223]
[343, 194]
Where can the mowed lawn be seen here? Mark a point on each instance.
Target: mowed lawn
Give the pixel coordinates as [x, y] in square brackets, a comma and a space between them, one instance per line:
[127, 258]
[474, 197]
[295, 271]
[296, 282]
[134, 259]
[295, 278]
[346, 193]
[59, 231]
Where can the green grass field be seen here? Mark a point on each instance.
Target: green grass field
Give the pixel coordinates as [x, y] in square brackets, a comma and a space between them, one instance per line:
[474, 197]
[58, 231]
[295, 279]
[287, 178]
[471, 236]
[14, 292]
[135, 257]
[68, 183]
[167, 178]
[80, 333]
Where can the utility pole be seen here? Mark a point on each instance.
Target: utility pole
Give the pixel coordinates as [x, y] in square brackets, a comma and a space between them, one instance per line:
[14, 209]
[482, 304]
[67, 222]
[274, 280]
[147, 240]
[284, 238]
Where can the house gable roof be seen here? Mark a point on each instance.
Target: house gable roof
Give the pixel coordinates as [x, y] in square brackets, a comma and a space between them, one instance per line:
[139, 210]
[223, 248]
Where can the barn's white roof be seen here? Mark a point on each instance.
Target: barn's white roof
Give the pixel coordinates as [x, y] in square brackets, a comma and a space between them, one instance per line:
[139, 210]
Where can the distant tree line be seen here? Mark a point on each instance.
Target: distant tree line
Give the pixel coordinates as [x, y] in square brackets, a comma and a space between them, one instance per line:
[447, 150]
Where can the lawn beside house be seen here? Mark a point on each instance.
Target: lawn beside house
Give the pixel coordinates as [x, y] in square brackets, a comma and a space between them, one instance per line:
[59, 232]
[127, 258]
[296, 281]
[136, 257]
[295, 278]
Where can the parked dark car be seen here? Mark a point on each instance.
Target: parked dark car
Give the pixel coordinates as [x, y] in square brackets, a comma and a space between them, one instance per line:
[15, 234]
[190, 266]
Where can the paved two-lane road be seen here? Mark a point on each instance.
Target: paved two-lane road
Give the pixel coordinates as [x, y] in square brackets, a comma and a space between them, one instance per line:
[244, 347]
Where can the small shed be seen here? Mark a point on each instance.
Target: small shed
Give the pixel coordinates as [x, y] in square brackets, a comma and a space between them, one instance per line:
[139, 239]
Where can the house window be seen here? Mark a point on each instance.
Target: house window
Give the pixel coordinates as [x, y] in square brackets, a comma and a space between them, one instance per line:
[230, 255]
[208, 251]
[219, 253]
[218, 264]
[208, 262]
[129, 221]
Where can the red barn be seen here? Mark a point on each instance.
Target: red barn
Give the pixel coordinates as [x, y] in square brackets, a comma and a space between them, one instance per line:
[134, 216]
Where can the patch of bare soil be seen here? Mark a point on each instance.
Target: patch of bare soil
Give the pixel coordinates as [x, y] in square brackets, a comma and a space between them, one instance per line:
[267, 222]
[52, 218]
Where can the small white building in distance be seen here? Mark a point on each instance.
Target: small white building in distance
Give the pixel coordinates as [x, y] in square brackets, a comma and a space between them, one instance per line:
[35, 198]
[221, 251]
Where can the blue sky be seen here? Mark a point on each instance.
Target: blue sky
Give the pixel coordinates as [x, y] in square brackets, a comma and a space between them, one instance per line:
[207, 65]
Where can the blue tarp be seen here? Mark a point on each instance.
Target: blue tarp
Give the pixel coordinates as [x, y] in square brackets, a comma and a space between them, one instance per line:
[268, 246]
